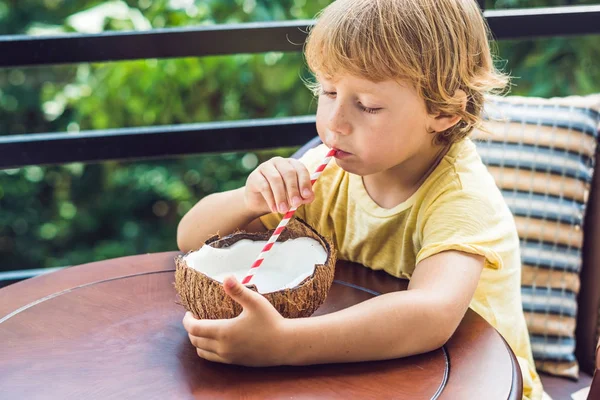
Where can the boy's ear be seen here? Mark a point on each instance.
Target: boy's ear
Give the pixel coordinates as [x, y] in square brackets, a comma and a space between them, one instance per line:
[441, 122]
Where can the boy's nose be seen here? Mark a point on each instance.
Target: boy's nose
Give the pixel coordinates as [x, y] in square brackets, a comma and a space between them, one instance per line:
[338, 122]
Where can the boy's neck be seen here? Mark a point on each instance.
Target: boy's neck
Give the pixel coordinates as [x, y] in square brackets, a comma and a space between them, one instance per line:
[395, 185]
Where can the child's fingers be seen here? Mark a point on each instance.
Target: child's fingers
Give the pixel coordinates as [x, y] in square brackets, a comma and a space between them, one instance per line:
[304, 185]
[290, 180]
[262, 184]
[277, 186]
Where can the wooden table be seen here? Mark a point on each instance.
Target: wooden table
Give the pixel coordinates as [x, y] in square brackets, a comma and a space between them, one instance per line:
[112, 330]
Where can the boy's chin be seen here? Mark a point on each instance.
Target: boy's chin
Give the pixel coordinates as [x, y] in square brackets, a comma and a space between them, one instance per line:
[352, 168]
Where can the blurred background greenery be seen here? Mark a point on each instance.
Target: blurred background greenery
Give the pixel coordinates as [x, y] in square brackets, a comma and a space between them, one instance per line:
[53, 216]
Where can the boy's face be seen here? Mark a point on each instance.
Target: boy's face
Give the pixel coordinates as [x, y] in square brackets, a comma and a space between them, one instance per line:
[376, 126]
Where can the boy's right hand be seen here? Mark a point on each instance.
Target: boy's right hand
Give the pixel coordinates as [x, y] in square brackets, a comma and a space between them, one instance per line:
[277, 185]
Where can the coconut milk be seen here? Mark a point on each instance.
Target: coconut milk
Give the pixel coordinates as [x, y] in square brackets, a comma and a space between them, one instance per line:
[285, 266]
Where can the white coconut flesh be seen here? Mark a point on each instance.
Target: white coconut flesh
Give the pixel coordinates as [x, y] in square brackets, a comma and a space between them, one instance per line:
[285, 266]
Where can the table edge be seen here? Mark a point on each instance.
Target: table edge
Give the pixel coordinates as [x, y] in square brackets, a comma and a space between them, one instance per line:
[106, 274]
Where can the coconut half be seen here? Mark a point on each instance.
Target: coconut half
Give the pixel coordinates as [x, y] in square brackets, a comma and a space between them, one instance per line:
[295, 276]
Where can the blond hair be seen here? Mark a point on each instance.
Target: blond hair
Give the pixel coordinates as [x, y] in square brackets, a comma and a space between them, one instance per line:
[439, 46]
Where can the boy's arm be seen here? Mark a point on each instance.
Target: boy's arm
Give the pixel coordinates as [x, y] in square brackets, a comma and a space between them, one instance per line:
[389, 326]
[393, 325]
[276, 185]
[221, 213]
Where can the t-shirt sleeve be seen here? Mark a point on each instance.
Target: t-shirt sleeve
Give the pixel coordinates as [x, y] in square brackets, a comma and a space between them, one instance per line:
[311, 159]
[468, 222]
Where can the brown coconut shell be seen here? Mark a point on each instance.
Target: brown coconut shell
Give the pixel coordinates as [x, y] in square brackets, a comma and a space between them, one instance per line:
[205, 297]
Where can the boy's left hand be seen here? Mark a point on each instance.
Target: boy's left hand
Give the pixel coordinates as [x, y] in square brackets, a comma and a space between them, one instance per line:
[253, 338]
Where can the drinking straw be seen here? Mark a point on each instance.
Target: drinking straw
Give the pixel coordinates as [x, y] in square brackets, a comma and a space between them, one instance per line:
[286, 218]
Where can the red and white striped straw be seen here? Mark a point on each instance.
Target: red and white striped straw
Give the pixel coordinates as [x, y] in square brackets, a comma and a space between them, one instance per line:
[286, 218]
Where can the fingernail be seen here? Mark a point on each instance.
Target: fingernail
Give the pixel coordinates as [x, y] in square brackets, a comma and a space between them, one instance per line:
[296, 201]
[230, 283]
[283, 208]
[306, 193]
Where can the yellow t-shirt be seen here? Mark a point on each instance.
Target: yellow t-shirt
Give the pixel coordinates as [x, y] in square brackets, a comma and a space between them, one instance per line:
[458, 207]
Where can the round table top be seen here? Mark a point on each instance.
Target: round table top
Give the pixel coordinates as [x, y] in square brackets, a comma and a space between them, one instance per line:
[112, 329]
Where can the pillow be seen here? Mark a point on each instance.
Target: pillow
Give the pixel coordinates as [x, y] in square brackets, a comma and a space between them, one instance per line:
[541, 153]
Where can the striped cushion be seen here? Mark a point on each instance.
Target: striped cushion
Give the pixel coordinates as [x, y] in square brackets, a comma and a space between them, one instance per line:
[541, 154]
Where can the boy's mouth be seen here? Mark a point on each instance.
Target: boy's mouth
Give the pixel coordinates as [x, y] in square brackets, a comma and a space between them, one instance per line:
[339, 154]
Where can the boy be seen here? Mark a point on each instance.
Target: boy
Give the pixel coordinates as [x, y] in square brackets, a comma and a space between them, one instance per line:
[401, 85]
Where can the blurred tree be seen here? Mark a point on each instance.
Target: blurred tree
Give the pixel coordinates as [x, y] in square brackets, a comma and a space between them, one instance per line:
[72, 214]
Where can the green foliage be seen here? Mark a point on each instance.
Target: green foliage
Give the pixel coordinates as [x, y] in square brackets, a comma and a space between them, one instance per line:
[72, 214]
[558, 66]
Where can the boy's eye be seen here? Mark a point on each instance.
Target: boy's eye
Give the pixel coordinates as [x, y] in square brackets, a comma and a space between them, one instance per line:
[369, 110]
